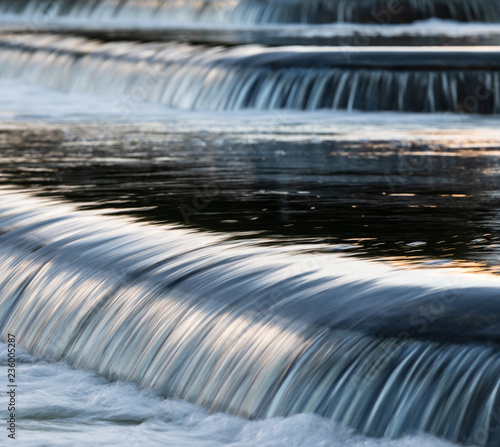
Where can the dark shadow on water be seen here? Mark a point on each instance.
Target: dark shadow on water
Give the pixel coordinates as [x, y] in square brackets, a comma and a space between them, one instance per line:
[373, 199]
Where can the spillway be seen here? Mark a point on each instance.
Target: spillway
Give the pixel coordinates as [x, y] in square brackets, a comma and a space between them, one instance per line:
[194, 77]
[256, 332]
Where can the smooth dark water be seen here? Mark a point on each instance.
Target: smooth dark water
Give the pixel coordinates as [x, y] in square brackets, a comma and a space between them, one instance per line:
[378, 199]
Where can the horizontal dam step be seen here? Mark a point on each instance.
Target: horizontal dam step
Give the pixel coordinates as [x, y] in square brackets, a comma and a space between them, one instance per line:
[273, 35]
[253, 77]
[487, 57]
[253, 331]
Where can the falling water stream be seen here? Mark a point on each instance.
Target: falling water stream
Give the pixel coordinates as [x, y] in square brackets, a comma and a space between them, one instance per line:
[249, 244]
[251, 77]
[253, 332]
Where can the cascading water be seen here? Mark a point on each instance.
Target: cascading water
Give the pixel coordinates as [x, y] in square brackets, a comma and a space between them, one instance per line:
[313, 261]
[260, 11]
[251, 331]
[252, 77]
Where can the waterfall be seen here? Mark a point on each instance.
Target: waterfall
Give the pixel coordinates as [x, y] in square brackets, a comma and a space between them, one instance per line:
[393, 341]
[259, 11]
[252, 77]
[256, 332]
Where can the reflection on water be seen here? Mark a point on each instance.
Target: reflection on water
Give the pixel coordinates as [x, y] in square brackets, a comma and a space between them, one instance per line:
[429, 203]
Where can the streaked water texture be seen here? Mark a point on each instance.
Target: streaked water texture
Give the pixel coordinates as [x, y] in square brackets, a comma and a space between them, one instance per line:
[66, 407]
[251, 222]
[252, 331]
[253, 77]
